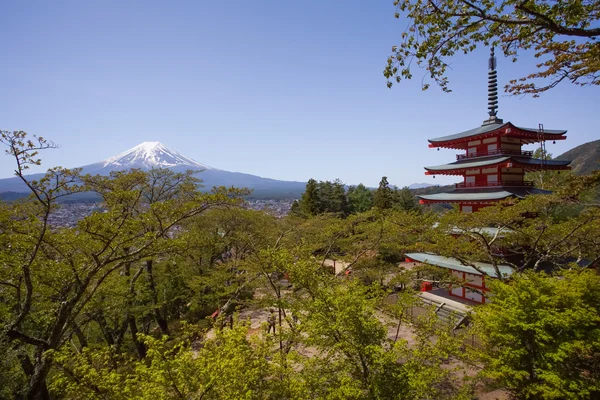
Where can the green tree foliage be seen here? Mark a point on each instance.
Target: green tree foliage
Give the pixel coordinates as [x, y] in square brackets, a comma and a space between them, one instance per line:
[310, 202]
[229, 366]
[405, 200]
[322, 198]
[546, 180]
[383, 196]
[360, 198]
[541, 335]
[562, 34]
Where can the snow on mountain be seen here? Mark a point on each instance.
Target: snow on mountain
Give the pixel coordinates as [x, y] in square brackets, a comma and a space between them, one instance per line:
[151, 155]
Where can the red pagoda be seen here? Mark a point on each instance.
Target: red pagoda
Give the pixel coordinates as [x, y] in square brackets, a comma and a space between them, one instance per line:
[493, 168]
[493, 164]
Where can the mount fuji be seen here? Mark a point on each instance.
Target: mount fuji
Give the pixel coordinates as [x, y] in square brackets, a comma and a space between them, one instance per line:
[150, 155]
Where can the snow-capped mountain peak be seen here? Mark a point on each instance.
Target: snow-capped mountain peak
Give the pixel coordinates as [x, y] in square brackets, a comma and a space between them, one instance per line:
[151, 155]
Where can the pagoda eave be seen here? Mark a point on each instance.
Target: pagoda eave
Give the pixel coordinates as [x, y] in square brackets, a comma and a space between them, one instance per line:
[467, 202]
[526, 135]
[510, 164]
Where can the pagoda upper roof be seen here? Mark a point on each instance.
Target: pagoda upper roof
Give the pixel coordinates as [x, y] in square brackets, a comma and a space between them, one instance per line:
[459, 140]
[496, 160]
[481, 194]
[452, 263]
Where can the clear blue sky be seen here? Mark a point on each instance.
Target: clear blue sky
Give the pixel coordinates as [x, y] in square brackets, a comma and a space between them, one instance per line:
[281, 89]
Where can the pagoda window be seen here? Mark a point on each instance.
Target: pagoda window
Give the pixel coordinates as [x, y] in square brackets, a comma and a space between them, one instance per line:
[492, 148]
[492, 179]
[467, 209]
[512, 178]
[471, 151]
[510, 146]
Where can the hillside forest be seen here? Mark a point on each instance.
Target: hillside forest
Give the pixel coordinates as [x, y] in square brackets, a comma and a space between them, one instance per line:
[169, 292]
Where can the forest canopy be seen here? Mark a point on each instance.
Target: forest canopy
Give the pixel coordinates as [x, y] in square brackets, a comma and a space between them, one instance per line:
[172, 293]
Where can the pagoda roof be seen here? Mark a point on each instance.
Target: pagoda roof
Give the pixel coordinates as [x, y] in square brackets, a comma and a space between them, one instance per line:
[467, 164]
[496, 129]
[452, 263]
[481, 194]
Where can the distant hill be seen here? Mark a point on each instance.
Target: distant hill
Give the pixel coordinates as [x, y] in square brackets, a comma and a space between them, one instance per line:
[584, 158]
[420, 185]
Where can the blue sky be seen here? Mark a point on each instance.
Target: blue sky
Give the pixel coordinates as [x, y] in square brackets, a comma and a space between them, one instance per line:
[285, 90]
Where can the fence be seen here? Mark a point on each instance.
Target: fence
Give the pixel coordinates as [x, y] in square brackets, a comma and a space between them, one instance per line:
[448, 318]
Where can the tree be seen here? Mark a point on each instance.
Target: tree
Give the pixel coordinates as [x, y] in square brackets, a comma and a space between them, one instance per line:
[309, 202]
[339, 198]
[564, 34]
[405, 200]
[323, 197]
[360, 198]
[541, 335]
[382, 198]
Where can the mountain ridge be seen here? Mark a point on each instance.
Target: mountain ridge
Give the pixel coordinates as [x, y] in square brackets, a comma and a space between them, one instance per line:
[148, 155]
[584, 158]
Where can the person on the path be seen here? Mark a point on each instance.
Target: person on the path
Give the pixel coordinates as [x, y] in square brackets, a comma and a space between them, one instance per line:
[271, 320]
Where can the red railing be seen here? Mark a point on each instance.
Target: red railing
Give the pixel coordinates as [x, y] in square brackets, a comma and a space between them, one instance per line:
[494, 152]
[463, 185]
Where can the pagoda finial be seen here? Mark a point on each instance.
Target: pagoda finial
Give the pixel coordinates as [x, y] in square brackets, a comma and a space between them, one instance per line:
[492, 91]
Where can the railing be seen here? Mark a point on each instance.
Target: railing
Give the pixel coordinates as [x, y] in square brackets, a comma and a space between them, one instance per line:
[494, 152]
[463, 185]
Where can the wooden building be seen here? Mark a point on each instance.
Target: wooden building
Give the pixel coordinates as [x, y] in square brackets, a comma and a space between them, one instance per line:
[492, 166]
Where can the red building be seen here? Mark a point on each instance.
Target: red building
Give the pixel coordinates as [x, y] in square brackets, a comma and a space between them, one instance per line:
[492, 166]
[493, 163]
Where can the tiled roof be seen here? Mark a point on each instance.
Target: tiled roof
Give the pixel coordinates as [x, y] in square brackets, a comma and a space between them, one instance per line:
[452, 263]
[493, 160]
[490, 128]
[483, 194]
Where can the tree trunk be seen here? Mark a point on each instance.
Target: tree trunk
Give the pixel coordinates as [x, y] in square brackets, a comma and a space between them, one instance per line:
[106, 331]
[80, 336]
[160, 320]
[37, 382]
[139, 346]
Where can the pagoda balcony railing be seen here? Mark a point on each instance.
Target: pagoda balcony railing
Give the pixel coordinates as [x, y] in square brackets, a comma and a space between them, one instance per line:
[463, 185]
[494, 152]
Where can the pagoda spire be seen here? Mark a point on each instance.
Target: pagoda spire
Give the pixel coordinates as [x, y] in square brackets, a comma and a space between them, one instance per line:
[492, 91]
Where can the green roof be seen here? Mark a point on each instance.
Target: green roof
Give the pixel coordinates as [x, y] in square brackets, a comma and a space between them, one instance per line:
[452, 263]
[490, 128]
[470, 196]
[469, 164]
[483, 194]
[493, 160]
